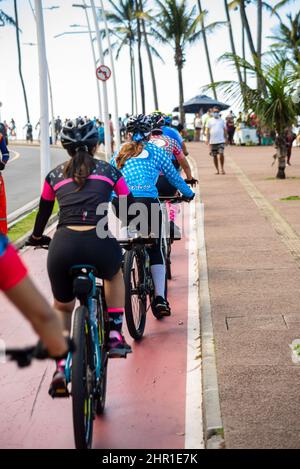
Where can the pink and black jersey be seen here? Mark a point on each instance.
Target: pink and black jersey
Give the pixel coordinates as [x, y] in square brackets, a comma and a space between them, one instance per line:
[79, 207]
[171, 146]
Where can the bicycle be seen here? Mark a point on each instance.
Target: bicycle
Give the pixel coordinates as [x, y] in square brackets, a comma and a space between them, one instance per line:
[86, 369]
[167, 240]
[138, 284]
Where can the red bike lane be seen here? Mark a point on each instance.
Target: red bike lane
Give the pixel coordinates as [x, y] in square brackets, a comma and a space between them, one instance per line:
[146, 395]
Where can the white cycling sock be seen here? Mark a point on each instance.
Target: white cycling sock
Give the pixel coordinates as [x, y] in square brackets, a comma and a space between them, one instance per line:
[159, 275]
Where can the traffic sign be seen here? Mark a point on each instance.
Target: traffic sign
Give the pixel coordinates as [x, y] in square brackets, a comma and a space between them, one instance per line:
[103, 73]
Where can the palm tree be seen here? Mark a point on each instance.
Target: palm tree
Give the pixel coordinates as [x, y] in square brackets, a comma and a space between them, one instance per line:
[276, 110]
[139, 38]
[143, 16]
[20, 59]
[288, 37]
[6, 19]
[206, 49]
[177, 26]
[238, 70]
[123, 17]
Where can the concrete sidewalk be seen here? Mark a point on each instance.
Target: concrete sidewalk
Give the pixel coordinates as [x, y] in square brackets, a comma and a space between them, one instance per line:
[253, 251]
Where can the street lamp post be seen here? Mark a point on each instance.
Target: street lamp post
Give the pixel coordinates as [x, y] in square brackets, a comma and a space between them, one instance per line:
[117, 125]
[50, 93]
[104, 87]
[84, 7]
[48, 74]
[44, 114]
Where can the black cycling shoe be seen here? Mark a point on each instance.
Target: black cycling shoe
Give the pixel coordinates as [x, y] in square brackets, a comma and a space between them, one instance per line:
[117, 345]
[161, 306]
[58, 386]
[175, 232]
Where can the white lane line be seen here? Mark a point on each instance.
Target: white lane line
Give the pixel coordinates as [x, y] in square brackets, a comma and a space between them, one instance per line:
[16, 157]
[193, 412]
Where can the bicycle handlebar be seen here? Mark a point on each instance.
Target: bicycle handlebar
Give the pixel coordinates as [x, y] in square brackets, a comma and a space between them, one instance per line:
[23, 357]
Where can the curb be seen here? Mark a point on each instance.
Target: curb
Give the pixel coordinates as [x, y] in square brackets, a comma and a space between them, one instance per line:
[20, 243]
[213, 426]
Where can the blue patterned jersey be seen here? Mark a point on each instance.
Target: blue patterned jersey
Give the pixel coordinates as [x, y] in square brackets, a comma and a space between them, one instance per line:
[3, 150]
[172, 133]
[141, 173]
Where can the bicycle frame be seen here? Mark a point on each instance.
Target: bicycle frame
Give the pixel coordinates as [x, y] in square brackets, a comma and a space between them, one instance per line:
[89, 303]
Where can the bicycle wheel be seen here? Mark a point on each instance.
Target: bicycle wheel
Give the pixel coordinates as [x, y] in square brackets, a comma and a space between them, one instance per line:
[168, 259]
[135, 293]
[103, 331]
[82, 381]
[165, 254]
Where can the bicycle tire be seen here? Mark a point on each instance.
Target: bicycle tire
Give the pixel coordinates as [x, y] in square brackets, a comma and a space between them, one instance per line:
[168, 259]
[137, 284]
[82, 399]
[103, 331]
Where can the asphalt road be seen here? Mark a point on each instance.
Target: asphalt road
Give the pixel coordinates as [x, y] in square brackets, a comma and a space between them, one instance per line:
[22, 175]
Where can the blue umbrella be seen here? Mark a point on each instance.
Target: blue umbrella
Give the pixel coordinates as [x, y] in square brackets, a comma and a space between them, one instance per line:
[201, 103]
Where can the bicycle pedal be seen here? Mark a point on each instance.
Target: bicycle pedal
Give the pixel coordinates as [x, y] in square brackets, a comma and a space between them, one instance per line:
[115, 353]
[58, 393]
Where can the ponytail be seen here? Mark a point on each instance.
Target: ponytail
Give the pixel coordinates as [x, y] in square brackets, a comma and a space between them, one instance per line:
[80, 166]
[128, 150]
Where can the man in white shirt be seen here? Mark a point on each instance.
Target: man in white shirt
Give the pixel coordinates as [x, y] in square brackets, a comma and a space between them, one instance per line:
[216, 138]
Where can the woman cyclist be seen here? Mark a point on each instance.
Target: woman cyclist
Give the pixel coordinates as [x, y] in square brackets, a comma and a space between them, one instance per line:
[175, 153]
[19, 289]
[80, 186]
[141, 163]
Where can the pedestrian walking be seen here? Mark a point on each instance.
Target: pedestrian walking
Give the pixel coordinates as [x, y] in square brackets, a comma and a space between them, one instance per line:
[290, 136]
[197, 127]
[112, 133]
[216, 138]
[12, 129]
[4, 157]
[29, 129]
[57, 128]
[230, 127]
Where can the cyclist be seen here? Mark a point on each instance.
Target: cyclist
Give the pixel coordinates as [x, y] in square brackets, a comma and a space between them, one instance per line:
[19, 289]
[141, 163]
[80, 185]
[175, 153]
[169, 131]
[4, 154]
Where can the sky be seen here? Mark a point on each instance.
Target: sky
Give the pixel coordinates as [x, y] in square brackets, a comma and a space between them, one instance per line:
[72, 69]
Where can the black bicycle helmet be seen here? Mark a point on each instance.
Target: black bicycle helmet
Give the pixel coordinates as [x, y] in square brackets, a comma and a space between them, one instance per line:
[157, 120]
[140, 127]
[79, 133]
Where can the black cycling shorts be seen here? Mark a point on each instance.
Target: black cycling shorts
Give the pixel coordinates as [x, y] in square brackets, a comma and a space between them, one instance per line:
[165, 189]
[150, 213]
[70, 248]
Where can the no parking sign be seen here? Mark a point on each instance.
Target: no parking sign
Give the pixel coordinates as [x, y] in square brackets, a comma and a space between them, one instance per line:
[103, 73]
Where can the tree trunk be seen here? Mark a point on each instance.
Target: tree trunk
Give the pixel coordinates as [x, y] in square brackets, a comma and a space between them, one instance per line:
[20, 60]
[150, 60]
[248, 30]
[139, 36]
[131, 78]
[281, 153]
[181, 95]
[261, 84]
[238, 70]
[259, 38]
[244, 52]
[207, 52]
